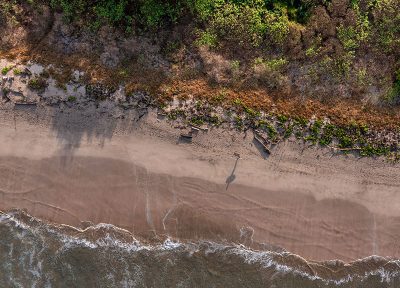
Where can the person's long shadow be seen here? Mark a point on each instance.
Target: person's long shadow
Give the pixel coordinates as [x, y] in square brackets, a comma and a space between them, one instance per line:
[231, 177]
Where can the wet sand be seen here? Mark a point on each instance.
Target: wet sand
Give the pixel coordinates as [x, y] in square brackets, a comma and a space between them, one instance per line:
[139, 177]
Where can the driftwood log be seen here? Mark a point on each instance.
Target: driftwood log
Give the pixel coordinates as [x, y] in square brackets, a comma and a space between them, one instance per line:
[262, 142]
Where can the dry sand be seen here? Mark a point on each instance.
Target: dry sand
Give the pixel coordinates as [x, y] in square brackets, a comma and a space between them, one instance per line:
[71, 167]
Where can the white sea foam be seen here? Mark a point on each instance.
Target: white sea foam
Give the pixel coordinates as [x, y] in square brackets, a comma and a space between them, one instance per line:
[109, 239]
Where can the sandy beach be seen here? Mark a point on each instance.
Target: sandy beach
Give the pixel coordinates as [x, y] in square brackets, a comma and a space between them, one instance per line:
[73, 168]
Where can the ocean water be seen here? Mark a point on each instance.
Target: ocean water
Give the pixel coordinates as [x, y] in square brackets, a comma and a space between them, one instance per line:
[34, 253]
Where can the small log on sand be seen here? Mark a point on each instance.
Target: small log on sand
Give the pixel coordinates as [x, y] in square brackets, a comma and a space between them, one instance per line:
[187, 136]
[24, 104]
[262, 142]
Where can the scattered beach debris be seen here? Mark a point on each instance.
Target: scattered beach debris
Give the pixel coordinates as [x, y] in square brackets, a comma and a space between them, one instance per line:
[198, 128]
[195, 129]
[8, 78]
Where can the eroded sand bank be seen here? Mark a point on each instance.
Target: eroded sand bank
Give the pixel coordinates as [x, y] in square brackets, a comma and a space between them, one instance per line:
[138, 176]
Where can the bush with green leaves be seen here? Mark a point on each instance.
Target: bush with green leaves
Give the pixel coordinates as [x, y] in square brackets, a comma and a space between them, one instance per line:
[206, 38]
[204, 9]
[394, 93]
[386, 26]
[245, 21]
[71, 8]
[155, 12]
[112, 11]
[236, 23]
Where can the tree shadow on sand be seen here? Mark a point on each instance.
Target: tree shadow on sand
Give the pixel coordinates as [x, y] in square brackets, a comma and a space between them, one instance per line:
[72, 126]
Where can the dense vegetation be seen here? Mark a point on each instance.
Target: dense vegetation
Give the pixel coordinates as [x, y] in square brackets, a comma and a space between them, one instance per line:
[353, 44]
[155, 13]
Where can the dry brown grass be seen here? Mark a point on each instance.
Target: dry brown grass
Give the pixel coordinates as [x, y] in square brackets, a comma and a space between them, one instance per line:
[341, 111]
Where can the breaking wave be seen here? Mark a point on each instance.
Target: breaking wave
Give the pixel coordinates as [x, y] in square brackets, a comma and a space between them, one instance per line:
[34, 253]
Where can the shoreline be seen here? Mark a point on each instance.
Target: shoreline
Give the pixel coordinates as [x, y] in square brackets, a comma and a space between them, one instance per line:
[232, 258]
[293, 199]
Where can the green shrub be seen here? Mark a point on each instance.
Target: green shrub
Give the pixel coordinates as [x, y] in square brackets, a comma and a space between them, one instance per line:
[351, 36]
[204, 9]
[197, 120]
[394, 94]
[5, 70]
[311, 52]
[71, 8]
[348, 37]
[206, 38]
[272, 64]
[243, 24]
[276, 64]
[277, 27]
[6, 8]
[37, 83]
[296, 10]
[112, 12]
[71, 99]
[272, 133]
[154, 12]
[282, 118]
[386, 25]
[248, 22]
[17, 71]
[235, 65]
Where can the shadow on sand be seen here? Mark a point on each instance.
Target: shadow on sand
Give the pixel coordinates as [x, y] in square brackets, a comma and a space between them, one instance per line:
[232, 177]
[72, 126]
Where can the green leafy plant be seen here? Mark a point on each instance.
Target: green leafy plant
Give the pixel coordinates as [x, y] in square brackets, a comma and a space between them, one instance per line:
[37, 83]
[71, 99]
[206, 38]
[5, 70]
[17, 71]
[155, 12]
